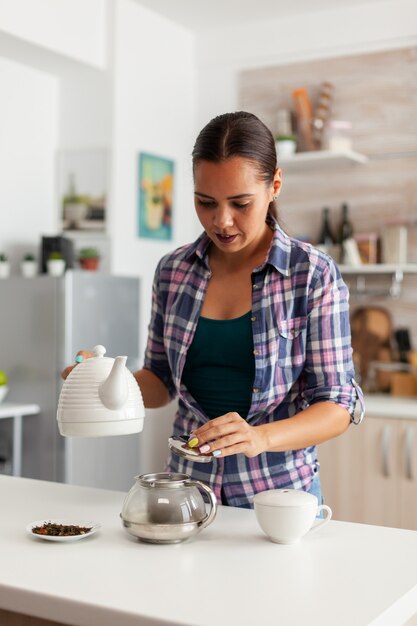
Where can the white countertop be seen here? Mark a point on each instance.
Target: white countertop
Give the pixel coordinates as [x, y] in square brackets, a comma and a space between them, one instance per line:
[384, 405]
[10, 409]
[230, 574]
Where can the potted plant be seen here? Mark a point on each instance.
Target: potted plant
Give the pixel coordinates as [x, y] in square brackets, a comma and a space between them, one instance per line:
[285, 145]
[55, 263]
[28, 266]
[75, 206]
[89, 258]
[3, 385]
[4, 266]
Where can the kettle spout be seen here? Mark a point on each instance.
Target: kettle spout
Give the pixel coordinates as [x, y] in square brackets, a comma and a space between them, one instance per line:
[113, 391]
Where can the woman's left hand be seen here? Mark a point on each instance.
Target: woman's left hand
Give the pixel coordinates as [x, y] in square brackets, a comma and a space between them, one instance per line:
[229, 434]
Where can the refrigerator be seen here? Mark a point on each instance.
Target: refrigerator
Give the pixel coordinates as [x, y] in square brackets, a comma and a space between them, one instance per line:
[44, 321]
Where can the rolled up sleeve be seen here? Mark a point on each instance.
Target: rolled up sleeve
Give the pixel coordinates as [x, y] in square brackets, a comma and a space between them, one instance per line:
[156, 359]
[329, 371]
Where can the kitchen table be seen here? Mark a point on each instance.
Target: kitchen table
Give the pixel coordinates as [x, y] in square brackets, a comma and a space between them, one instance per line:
[230, 574]
[16, 411]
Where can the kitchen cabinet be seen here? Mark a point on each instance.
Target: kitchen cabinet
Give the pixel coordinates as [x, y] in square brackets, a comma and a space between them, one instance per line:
[369, 474]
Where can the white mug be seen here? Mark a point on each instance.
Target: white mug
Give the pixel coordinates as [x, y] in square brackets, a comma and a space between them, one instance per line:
[286, 515]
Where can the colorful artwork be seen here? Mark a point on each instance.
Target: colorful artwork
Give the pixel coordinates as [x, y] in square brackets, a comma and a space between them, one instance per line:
[156, 184]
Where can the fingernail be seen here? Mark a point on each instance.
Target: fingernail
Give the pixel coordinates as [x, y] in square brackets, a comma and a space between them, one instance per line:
[204, 448]
[193, 442]
[79, 358]
[217, 452]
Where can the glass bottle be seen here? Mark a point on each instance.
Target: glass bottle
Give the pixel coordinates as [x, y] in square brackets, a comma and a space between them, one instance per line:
[346, 227]
[345, 231]
[326, 239]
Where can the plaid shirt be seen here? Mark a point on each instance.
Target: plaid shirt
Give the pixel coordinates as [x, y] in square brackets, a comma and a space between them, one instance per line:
[302, 348]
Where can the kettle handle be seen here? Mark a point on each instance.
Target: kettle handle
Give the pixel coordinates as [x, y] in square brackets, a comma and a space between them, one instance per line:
[213, 502]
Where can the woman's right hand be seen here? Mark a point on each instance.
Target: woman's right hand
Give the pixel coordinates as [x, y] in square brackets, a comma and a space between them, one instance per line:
[85, 354]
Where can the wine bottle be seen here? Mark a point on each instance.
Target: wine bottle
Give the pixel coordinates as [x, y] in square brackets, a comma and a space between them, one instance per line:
[326, 238]
[345, 233]
[346, 227]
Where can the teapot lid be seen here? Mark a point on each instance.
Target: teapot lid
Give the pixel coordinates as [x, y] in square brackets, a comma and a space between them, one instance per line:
[178, 445]
[285, 497]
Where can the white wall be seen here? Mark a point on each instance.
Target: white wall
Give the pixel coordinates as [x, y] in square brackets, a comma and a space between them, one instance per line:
[154, 111]
[28, 131]
[224, 52]
[75, 28]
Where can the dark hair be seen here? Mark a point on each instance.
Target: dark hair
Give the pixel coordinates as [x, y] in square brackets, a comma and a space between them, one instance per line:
[238, 134]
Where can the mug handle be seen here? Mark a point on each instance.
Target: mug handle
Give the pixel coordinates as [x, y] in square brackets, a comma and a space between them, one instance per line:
[321, 523]
[213, 502]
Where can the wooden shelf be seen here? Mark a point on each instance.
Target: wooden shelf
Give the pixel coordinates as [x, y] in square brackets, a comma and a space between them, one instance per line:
[321, 158]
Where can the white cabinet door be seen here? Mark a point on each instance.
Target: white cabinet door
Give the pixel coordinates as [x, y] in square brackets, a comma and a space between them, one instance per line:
[359, 472]
[407, 469]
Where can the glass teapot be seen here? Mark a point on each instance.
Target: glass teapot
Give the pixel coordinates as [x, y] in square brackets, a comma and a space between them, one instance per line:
[167, 508]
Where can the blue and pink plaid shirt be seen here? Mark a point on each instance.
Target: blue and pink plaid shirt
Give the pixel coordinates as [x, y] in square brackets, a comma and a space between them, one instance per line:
[302, 348]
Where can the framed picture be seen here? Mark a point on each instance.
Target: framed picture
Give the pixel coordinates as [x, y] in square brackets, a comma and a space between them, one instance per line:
[82, 189]
[156, 192]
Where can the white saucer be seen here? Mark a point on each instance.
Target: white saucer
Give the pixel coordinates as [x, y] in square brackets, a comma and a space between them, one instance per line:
[88, 524]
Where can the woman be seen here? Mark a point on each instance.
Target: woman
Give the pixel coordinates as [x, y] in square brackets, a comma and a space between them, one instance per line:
[249, 328]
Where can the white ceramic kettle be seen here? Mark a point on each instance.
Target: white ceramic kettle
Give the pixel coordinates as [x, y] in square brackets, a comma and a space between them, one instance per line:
[100, 398]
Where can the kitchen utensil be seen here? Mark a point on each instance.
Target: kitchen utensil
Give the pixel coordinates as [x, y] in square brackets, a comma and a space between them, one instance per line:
[371, 341]
[179, 446]
[402, 337]
[167, 508]
[286, 515]
[64, 539]
[100, 398]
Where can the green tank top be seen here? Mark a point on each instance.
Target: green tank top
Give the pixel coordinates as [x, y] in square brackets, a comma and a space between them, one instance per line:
[220, 365]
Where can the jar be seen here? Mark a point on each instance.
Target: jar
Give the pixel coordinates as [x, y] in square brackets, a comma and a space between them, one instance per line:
[337, 136]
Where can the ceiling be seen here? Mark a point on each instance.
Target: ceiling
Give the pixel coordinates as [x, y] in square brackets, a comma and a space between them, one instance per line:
[199, 15]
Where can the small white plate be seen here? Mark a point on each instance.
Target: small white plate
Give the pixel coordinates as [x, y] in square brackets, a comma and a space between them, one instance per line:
[87, 524]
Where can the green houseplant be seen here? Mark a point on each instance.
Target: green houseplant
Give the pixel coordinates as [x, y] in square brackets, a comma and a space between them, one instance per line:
[89, 258]
[55, 263]
[28, 265]
[285, 145]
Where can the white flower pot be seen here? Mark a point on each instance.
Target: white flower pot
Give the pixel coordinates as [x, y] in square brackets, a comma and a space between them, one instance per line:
[4, 269]
[29, 269]
[285, 148]
[56, 267]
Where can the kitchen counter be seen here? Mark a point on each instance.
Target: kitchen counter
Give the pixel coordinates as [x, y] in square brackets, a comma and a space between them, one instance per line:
[384, 405]
[346, 574]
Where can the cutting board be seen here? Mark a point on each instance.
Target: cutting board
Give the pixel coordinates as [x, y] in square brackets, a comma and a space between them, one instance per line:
[372, 330]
